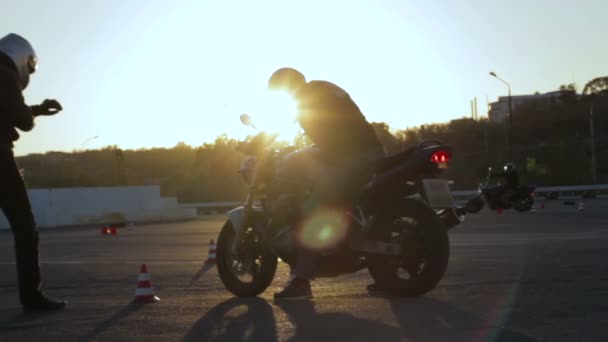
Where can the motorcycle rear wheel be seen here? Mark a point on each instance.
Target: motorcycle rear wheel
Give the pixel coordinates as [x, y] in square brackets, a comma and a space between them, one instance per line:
[236, 260]
[425, 241]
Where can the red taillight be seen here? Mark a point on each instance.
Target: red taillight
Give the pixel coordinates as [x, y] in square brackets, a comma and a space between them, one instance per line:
[440, 157]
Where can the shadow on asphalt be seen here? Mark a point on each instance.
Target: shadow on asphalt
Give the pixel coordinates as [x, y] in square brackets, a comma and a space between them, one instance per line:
[237, 319]
[334, 326]
[419, 319]
[116, 318]
[202, 271]
[19, 321]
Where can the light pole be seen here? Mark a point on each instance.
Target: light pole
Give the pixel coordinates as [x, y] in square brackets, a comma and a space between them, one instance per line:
[87, 140]
[594, 99]
[592, 136]
[510, 122]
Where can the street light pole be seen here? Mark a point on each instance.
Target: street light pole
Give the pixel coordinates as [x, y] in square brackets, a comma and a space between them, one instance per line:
[592, 136]
[509, 125]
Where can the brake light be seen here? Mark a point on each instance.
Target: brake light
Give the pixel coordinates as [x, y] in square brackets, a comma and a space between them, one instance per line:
[440, 157]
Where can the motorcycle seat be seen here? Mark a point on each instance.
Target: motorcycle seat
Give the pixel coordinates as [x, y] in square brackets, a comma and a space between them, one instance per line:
[385, 164]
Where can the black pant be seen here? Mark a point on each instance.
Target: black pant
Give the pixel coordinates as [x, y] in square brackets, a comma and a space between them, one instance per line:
[15, 204]
[337, 185]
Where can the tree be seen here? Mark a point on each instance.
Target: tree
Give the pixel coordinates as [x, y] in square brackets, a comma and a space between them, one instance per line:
[597, 85]
[568, 87]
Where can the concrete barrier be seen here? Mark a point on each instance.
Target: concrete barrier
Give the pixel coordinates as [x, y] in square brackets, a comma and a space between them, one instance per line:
[83, 206]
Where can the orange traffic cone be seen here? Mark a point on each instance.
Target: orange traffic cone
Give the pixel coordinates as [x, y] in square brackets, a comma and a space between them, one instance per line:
[211, 257]
[499, 211]
[144, 293]
[542, 204]
[109, 230]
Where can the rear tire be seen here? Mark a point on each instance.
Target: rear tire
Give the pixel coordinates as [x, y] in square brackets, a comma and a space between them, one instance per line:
[261, 278]
[433, 240]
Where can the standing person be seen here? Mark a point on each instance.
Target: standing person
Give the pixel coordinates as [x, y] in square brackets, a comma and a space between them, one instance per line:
[346, 142]
[17, 62]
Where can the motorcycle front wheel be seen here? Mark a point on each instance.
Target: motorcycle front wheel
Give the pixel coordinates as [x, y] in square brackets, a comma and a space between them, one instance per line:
[245, 267]
[524, 204]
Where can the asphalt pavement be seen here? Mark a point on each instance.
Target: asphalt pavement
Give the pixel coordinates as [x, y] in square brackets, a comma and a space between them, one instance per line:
[512, 277]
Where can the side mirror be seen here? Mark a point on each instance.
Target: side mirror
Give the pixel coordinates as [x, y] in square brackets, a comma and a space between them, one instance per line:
[247, 121]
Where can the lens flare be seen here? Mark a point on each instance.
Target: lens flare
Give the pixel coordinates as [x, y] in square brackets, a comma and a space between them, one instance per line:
[324, 229]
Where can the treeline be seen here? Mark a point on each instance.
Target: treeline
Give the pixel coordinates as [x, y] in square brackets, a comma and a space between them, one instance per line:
[550, 142]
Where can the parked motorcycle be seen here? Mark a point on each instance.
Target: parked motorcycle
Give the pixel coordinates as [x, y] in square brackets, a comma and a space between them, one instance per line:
[521, 198]
[402, 241]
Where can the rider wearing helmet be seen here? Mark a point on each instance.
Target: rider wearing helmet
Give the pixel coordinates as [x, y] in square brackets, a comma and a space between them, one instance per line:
[346, 143]
[510, 176]
[17, 62]
[510, 181]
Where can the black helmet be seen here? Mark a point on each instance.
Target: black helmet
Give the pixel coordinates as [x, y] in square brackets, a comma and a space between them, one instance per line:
[288, 79]
[510, 167]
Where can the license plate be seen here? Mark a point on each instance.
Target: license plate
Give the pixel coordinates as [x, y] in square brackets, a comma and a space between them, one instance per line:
[438, 193]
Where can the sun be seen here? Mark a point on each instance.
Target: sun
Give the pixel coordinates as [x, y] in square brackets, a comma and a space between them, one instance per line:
[275, 112]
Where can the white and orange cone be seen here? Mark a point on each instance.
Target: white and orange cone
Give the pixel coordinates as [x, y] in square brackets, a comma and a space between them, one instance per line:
[144, 293]
[581, 206]
[212, 254]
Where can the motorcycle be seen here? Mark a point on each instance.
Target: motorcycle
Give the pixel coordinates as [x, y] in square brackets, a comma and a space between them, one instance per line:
[521, 200]
[400, 239]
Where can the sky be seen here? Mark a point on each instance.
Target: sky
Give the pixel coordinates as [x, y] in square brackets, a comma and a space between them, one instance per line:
[141, 74]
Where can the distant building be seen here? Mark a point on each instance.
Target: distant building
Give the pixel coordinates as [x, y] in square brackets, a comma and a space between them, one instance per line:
[498, 110]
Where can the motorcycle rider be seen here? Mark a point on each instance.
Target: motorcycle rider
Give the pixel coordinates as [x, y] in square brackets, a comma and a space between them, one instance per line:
[510, 181]
[346, 143]
[17, 62]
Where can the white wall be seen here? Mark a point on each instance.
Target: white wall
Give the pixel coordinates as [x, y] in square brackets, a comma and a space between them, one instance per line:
[79, 206]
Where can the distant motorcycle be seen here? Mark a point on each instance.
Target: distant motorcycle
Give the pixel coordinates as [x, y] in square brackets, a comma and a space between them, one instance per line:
[520, 199]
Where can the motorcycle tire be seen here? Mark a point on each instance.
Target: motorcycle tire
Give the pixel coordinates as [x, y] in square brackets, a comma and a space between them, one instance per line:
[524, 204]
[261, 279]
[433, 239]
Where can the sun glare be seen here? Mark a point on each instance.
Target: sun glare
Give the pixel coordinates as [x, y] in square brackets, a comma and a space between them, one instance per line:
[276, 112]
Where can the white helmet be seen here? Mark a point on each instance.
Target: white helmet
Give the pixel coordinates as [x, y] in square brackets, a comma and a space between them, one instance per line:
[23, 55]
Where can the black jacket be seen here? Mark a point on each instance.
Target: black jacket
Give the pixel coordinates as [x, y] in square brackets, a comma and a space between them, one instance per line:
[510, 178]
[14, 113]
[333, 121]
